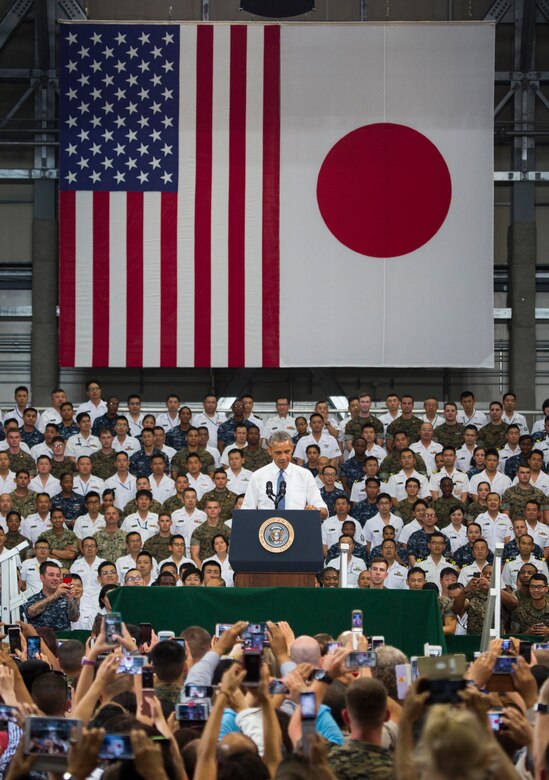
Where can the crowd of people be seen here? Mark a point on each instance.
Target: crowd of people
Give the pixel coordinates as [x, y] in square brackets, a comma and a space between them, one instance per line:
[409, 499]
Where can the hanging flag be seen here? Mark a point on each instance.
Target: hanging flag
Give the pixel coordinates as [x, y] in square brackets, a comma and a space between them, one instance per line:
[276, 195]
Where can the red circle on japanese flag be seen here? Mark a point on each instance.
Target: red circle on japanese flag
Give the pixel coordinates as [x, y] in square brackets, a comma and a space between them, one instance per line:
[384, 190]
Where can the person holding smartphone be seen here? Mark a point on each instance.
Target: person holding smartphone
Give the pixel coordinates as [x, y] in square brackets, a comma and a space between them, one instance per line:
[55, 605]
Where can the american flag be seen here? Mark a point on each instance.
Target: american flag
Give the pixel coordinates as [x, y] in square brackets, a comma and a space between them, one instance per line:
[169, 195]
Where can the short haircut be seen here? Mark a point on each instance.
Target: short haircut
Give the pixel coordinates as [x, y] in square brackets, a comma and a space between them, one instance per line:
[167, 660]
[366, 701]
[103, 565]
[211, 562]
[44, 566]
[415, 570]
[539, 576]
[197, 640]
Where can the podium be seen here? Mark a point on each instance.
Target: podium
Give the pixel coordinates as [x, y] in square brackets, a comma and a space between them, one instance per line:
[272, 547]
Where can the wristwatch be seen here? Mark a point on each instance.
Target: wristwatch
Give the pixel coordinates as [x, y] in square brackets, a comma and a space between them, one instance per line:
[541, 707]
[324, 678]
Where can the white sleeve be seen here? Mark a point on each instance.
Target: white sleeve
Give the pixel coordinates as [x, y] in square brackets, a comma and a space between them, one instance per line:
[251, 497]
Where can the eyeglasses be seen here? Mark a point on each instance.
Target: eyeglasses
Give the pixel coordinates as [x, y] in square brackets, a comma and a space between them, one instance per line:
[537, 587]
[133, 579]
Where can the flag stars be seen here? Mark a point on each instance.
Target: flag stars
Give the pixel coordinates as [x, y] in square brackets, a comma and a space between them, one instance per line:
[144, 38]
[131, 163]
[167, 66]
[131, 135]
[71, 121]
[155, 135]
[108, 108]
[132, 80]
[156, 52]
[71, 177]
[107, 163]
[167, 94]
[166, 177]
[167, 121]
[71, 149]
[155, 108]
[84, 107]
[108, 53]
[120, 94]
[84, 52]
[83, 80]
[167, 149]
[96, 121]
[71, 66]
[96, 94]
[119, 149]
[156, 80]
[155, 163]
[83, 135]
[96, 149]
[95, 177]
[71, 38]
[143, 149]
[120, 66]
[108, 80]
[95, 66]
[120, 38]
[168, 38]
[143, 93]
[96, 38]
[83, 163]
[143, 121]
[120, 177]
[143, 66]
[132, 52]
[107, 135]
[143, 177]
[71, 94]
[131, 108]
[120, 122]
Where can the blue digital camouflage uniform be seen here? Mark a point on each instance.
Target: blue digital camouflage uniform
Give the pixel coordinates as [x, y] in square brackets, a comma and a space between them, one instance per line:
[402, 552]
[66, 431]
[55, 616]
[140, 463]
[352, 470]
[176, 438]
[363, 511]
[511, 551]
[31, 438]
[104, 422]
[463, 556]
[71, 507]
[417, 545]
[329, 498]
[225, 432]
[359, 551]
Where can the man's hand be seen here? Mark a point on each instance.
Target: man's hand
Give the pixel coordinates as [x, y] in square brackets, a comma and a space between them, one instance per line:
[84, 756]
[414, 703]
[287, 631]
[278, 642]
[147, 756]
[517, 726]
[229, 638]
[7, 686]
[525, 682]
[232, 680]
[63, 589]
[482, 668]
[334, 663]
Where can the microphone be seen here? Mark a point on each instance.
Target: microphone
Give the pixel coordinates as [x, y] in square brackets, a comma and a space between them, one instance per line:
[269, 491]
[282, 489]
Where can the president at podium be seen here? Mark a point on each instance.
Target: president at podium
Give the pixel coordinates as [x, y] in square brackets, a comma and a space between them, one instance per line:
[282, 484]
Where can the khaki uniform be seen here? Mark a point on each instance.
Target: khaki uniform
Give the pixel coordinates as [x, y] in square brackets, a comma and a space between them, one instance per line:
[110, 546]
[450, 435]
[64, 466]
[226, 498]
[353, 429]
[391, 465]
[255, 459]
[61, 542]
[493, 436]
[442, 507]
[25, 505]
[204, 535]
[103, 465]
[410, 427]
[514, 499]
[179, 460]
[158, 547]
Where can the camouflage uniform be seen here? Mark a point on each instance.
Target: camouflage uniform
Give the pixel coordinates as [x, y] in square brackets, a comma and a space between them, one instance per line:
[66, 431]
[255, 459]
[64, 466]
[356, 760]
[15, 538]
[329, 498]
[391, 465]
[103, 465]
[168, 692]
[71, 507]
[512, 464]
[474, 510]
[353, 429]
[402, 552]
[204, 535]
[442, 507]
[352, 470]
[359, 551]
[61, 542]
[463, 556]
[511, 551]
[176, 438]
[478, 601]
[493, 436]
[446, 607]
[417, 545]
[56, 615]
[450, 435]
[25, 505]
[131, 507]
[514, 499]
[104, 422]
[405, 510]
[363, 511]
[172, 504]
[31, 438]
[110, 546]
[410, 427]
[22, 461]
[225, 432]
[179, 460]
[158, 547]
[226, 498]
[526, 615]
[140, 462]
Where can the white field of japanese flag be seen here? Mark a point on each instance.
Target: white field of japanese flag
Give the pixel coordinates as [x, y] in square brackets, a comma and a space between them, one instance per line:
[428, 91]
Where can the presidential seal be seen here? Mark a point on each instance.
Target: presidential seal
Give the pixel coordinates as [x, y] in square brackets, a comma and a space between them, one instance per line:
[276, 535]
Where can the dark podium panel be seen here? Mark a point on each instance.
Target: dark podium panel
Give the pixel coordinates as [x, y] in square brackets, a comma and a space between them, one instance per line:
[291, 553]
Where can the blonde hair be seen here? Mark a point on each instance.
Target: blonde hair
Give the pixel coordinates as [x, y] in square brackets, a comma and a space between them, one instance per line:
[452, 746]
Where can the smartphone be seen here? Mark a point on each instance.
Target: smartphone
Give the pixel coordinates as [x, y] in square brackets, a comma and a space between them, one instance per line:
[68, 700]
[147, 703]
[375, 642]
[180, 641]
[47, 737]
[33, 647]
[494, 716]
[67, 579]
[442, 691]
[258, 630]
[506, 645]
[116, 747]
[14, 637]
[252, 661]
[541, 646]
[113, 627]
[307, 703]
[132, 664]
[505, 664]
[359, 659]
[7, 713]
[414, 668]
[147, 677]
[164, 635]
[525, 650]
[333, 646]
[198, 691]
[475, 575]
[194, 712]
[146, 633]
[442, 667]
[221, 627]
[357, 622]
[278, 686]
[403, 675]
[432, 650]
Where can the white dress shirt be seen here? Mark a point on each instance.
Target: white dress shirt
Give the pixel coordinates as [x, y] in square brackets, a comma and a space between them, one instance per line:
[427, 453]
[85, 526]
[124, 492]
[512, 568]
[52, 486]
[82, 488]
[186, 524]
[396, 576]
[498, 484]
[461, 483]
[238, 483]
[373, 528]
[50, 415]
[163, 490]
[77, 445]
[329, 448]
[130, 445]
[478, 419]
[88, 572]
[354, 567]
[7, 483]
[202, 484]
[93, 410]
[301, 488]
[167, 422]
[201, 419]
[145, 528]
[33, 526]
[495, 530]
[396, 487]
